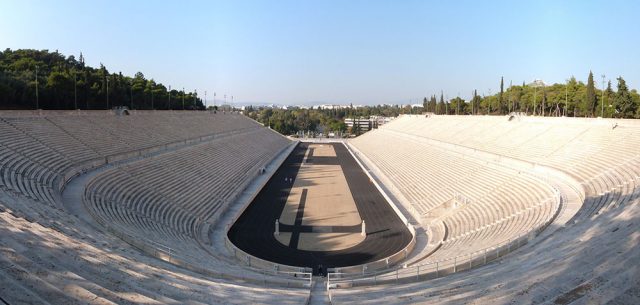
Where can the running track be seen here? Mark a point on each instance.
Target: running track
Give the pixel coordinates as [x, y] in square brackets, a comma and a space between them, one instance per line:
[253, 232]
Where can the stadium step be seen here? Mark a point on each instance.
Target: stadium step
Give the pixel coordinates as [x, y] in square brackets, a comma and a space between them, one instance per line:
[319, 294]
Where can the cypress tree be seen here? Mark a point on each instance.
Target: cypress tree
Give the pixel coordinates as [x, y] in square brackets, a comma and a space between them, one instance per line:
[433, 104]
[441, 106]
[590, 101]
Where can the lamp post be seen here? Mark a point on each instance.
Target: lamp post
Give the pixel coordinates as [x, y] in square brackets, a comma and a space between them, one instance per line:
[37, 97]
[489, 102]
[543, 100]
[511, 106]
[131, 92]
[107, 91]
[473, 99]
[446, 104]
[535, 91]
[566, 98]
[602, 98]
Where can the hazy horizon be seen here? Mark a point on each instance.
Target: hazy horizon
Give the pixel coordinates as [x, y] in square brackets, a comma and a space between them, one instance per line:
[332, 52]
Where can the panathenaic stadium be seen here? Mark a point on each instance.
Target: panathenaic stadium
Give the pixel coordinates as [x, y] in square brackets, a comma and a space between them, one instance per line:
[186, 207]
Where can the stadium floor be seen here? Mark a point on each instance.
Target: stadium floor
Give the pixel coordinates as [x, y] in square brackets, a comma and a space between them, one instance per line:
[253, 231]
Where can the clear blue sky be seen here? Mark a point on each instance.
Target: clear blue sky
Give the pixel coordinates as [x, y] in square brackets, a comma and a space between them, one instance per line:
[365, 52]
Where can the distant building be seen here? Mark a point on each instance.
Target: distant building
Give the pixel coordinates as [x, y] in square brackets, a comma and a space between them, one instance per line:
[365, 124]
[330, 106]
[380, 120]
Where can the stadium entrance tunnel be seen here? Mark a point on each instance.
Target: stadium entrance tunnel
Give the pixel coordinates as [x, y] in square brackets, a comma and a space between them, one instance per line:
[320, 210]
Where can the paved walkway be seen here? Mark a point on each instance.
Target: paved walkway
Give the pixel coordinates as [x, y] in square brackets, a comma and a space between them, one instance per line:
[320, 214]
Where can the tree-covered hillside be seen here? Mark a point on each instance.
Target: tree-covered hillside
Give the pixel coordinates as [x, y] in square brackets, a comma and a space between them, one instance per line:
[31, 79]
[573, 99]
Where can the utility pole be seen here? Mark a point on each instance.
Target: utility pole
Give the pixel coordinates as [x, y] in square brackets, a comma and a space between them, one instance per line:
[86, 98]
[131, 91]
[543, 98]
[535, 89]
[602, 99]
[566, 97]
[37, 97]
[473, 99]
[75, 91]
[511, 106]
[446, 103]
[489, 102]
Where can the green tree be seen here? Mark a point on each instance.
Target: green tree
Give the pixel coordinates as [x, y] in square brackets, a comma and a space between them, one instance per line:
[433, 104]
[458, 105]
[590, 99]
[625, 108]
[56, 83]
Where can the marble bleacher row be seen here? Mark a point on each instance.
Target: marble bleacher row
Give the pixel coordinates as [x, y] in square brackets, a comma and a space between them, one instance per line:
[48, 256]
[39, 151]
[498, 204]
[163, 199]
[592, 259]
[591, 262]
[588, 149]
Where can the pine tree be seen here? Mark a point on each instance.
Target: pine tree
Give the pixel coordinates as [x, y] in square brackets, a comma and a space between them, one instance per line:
[625, 108]
[590, 101]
